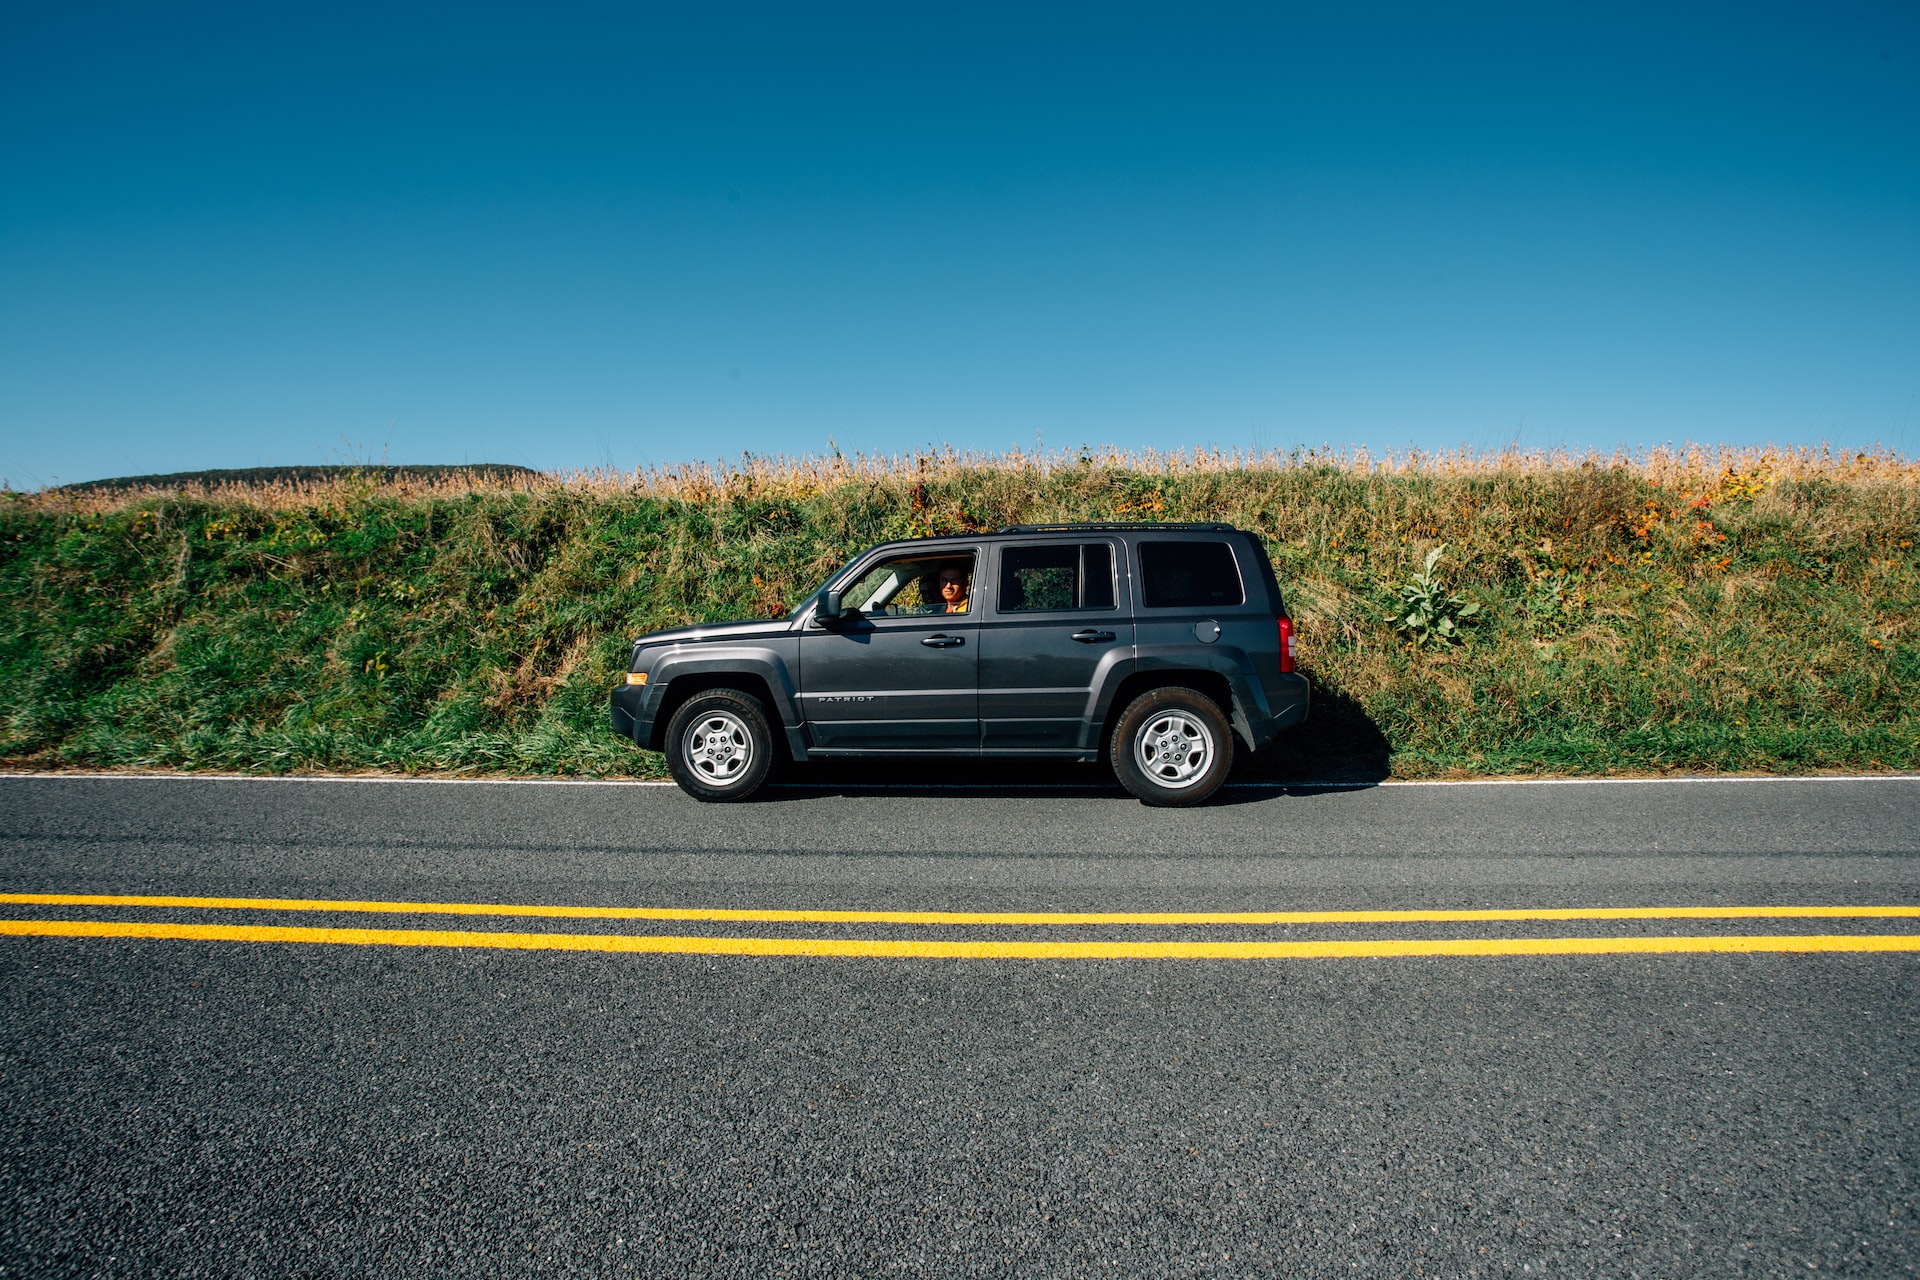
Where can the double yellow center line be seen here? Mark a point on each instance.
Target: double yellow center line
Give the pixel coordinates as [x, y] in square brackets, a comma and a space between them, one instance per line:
[942, 948]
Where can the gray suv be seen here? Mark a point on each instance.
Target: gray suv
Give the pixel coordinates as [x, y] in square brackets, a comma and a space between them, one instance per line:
[1153, 646]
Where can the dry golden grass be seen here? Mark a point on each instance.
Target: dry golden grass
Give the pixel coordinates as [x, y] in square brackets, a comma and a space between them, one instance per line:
[1689, 468]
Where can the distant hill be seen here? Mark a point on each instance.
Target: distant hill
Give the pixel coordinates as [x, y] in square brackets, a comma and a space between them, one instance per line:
[277, 475]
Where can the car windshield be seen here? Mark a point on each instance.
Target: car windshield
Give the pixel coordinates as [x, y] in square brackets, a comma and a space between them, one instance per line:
[814, 594]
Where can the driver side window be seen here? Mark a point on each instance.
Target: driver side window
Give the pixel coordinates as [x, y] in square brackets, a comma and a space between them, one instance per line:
[913, 586]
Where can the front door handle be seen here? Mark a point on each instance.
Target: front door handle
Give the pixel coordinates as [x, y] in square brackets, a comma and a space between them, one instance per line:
[1092, 637]
[943, 642]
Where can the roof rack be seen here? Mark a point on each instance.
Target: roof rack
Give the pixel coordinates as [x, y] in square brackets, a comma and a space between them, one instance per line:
[1122, 526]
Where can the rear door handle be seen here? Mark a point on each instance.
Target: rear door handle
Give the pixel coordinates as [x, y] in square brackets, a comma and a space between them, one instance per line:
[1092, 637]
[943, 642]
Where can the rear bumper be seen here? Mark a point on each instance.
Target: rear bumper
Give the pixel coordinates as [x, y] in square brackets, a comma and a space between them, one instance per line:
[1289, 699]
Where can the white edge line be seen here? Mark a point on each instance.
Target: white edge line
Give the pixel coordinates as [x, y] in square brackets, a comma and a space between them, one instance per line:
[82, 776]
[1613, 782]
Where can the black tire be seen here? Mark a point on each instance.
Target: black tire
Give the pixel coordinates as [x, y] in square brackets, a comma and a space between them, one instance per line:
[1172, 747]
[719, 746]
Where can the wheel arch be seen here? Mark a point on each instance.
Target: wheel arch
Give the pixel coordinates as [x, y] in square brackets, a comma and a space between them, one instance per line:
[682, 688]
[1211, 683]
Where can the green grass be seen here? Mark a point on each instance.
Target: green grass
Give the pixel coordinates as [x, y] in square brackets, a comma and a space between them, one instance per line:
[1634, 617]
[252, 479]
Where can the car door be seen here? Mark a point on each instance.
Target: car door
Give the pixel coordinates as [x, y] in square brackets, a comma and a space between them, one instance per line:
[1057, 622]
[902, 673]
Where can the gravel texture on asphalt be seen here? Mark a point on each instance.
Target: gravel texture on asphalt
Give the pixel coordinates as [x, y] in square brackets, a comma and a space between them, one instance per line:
[196, 1109]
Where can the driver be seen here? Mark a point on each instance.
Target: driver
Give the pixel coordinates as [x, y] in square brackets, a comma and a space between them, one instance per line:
[953, 589]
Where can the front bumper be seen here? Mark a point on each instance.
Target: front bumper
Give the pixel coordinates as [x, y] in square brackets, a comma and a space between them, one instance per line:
[632, 710]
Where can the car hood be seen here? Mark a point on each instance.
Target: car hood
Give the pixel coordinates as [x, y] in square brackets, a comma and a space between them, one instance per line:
[707, 632]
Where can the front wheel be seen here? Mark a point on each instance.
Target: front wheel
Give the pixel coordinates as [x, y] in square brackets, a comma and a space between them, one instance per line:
[1172, 747]
[719, 746]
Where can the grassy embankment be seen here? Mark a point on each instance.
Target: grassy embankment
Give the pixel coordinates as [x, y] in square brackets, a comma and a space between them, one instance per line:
[1677, 611]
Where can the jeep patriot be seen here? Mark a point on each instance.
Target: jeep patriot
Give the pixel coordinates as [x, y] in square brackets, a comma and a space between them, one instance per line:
[1156, 647]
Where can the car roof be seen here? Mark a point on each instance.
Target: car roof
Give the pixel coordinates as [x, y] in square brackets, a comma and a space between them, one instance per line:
[1124, 526]
[937, 540]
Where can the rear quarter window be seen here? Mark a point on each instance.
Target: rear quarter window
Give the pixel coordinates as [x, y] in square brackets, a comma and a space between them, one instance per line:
[1189, 575]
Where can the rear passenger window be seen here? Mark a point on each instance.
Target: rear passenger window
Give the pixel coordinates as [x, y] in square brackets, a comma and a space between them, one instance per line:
[1191, 575]
[1037, 579]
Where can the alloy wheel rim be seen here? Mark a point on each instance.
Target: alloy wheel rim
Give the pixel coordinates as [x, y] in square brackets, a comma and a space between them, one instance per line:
[718, 748]
[1174, 749]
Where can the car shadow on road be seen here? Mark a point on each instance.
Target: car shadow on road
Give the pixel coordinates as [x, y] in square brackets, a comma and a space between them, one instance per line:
[1340, 748]
[1339, 744]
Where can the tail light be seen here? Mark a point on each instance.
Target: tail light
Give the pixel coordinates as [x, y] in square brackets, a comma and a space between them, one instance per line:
[1286, 644]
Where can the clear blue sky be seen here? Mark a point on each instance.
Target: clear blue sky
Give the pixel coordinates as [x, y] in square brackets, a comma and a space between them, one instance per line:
[235, 235]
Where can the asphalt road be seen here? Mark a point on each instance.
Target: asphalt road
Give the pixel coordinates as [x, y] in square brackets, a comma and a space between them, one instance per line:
[184, 1106]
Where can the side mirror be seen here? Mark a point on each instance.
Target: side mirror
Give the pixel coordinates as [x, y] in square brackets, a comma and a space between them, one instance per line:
[830, 609]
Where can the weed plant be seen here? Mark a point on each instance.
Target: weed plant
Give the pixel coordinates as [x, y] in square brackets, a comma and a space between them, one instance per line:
[1681, 610]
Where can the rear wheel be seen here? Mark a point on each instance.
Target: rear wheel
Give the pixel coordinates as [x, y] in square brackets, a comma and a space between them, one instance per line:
[719, 746]
[1172, 747]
